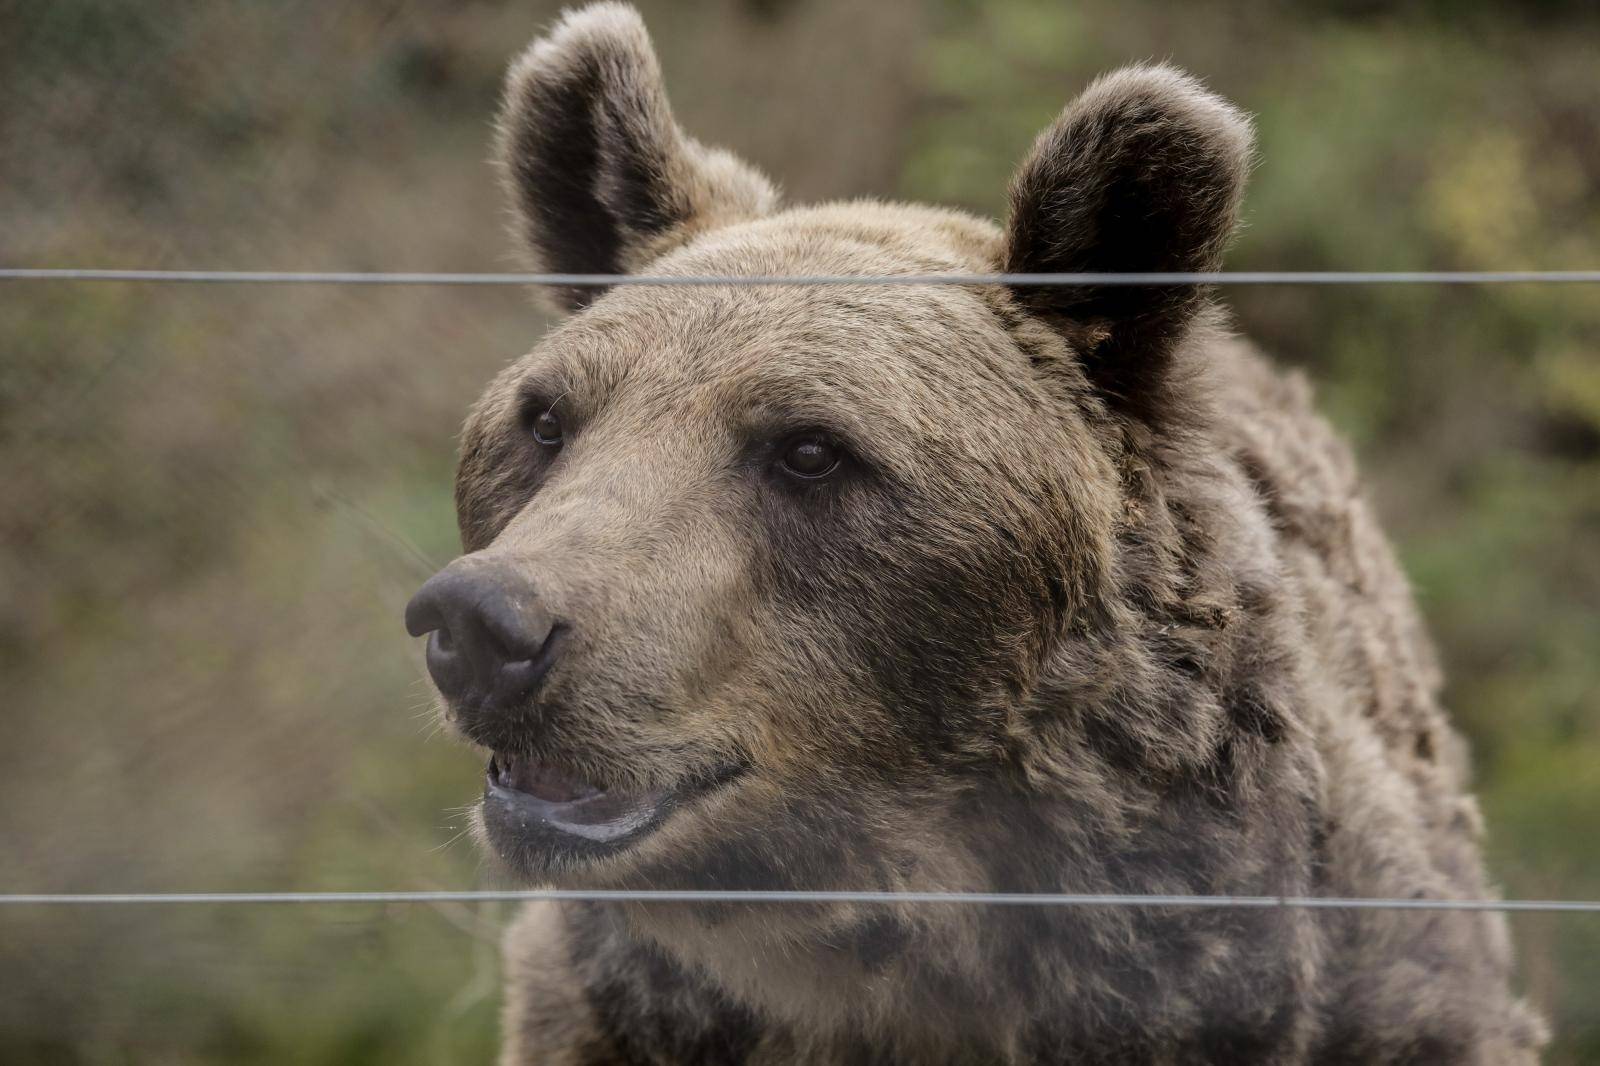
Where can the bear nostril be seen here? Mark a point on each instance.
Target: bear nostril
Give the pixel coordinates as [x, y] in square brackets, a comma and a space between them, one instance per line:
[518, 677]
[450, 671]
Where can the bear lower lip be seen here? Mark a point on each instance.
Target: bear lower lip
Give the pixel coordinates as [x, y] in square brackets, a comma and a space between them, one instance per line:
[530, 798]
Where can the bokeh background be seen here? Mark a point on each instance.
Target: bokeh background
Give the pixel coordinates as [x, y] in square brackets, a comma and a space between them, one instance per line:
[214, 500]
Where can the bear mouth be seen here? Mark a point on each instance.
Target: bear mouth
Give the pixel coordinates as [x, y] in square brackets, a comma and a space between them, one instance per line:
[541, 817]
[535, 797]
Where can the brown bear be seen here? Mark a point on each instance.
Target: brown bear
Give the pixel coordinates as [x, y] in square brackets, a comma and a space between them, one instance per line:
[1028, 588]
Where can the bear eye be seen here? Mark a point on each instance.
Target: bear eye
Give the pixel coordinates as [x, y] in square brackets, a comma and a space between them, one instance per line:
[547, 427]
[812, 456]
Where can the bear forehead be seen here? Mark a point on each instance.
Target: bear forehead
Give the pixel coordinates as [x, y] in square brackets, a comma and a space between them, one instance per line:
[885, 351]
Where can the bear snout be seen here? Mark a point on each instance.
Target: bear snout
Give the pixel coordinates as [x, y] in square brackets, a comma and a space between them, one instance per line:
[491, 638]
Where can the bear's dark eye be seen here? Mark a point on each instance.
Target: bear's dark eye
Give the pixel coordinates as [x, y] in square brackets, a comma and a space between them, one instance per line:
[547, 428]
[811, 457]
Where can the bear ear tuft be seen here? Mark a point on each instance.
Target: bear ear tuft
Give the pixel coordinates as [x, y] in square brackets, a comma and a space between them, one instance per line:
[600, 177]
[1142, 173]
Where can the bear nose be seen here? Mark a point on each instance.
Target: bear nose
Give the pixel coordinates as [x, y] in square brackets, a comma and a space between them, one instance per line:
[490, 639]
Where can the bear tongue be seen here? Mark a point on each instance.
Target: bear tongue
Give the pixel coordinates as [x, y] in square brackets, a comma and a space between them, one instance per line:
[543, 780]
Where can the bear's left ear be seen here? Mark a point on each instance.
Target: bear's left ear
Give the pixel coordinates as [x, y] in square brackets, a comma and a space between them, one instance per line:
[1142, 173]
[600, 176]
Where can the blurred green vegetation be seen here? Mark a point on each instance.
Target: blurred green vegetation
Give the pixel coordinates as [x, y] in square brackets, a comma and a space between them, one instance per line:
[217, 499]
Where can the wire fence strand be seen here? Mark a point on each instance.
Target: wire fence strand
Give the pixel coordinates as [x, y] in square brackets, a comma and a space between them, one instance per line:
[1026, 899]
[1266, 277]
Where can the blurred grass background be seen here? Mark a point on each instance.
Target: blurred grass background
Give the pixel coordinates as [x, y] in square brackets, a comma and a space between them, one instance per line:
[216, 499]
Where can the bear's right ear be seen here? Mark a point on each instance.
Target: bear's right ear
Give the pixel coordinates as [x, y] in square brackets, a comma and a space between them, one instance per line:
[600, 177]
[1143, 173]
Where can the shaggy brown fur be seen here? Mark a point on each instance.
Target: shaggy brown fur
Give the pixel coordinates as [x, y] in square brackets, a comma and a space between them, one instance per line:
[1092, 603]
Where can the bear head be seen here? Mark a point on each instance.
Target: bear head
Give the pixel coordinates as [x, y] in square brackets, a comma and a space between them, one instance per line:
[853, 585]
